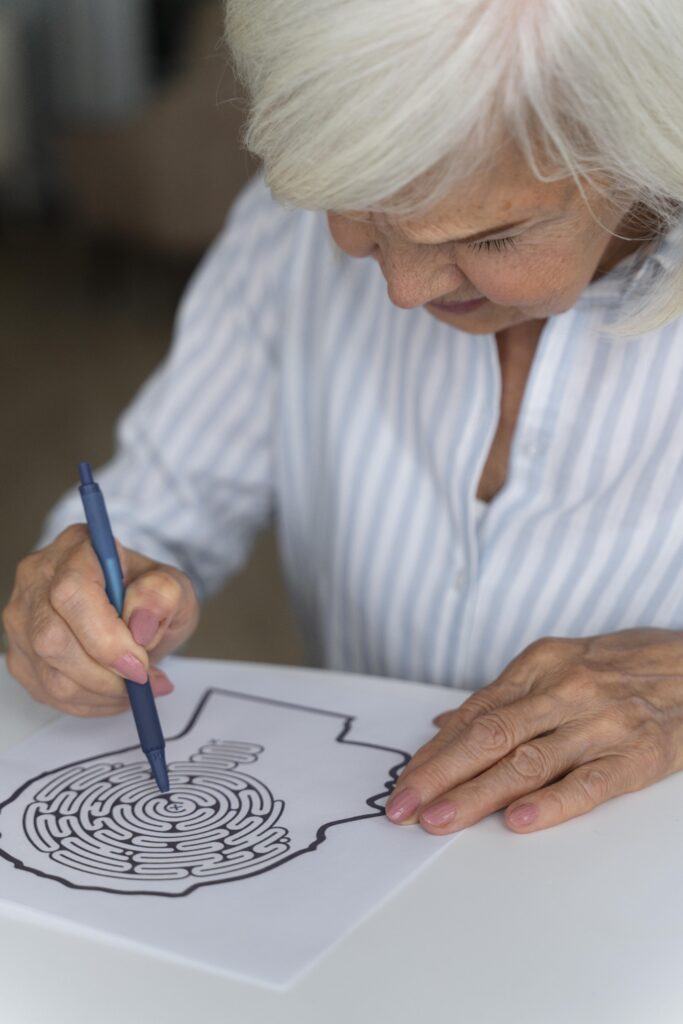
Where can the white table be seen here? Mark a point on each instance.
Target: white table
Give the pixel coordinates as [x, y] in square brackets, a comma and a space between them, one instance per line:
[581, 924]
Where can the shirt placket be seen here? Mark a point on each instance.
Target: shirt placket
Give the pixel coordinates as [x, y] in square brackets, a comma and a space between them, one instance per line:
[530, 442]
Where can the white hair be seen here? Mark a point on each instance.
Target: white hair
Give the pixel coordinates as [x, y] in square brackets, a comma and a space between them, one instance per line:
[387, 104]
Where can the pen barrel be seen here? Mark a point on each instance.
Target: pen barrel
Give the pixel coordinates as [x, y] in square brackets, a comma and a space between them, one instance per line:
[146, 716]
[140, 696]
[103, 543]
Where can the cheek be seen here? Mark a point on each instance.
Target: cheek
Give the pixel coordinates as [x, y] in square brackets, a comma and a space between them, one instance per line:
[549, 280]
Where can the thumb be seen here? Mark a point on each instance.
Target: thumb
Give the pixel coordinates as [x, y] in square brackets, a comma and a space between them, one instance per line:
[144, 624]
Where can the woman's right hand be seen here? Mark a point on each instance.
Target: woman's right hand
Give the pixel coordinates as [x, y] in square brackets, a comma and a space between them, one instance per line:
[66, 643]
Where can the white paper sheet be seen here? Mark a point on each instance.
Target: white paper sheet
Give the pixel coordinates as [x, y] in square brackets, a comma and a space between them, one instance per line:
[272, 844]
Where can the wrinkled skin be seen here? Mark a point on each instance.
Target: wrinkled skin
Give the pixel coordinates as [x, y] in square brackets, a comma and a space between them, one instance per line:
[559, 246]
[67, 645]
[567, 725]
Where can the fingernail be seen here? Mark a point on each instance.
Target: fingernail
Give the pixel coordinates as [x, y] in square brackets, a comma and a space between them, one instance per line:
[160, 683]
[439, 814]
[143, 625]
[403, 805]
[523, 815]
[128, 666]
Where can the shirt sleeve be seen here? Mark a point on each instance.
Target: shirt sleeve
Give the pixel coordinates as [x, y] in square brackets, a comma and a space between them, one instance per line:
[191, 481]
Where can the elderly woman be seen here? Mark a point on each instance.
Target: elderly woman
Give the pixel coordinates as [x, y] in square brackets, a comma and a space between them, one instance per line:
[446, 355]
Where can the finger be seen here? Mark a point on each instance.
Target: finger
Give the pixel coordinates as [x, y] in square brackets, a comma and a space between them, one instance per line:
[504, 691]
[579, 792]
[48, 686]
[496, 695]
[454, 722]
[516, 681]
[501, 692]
[161, 686]
[161, 610]
[497, 728]
[96, 711]
[87, 684]
[55, 645]
[78, 597]
[133, 563]
[522, 771]
[160, 683]
[488, 739]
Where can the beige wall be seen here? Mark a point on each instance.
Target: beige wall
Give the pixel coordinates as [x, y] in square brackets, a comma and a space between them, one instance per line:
[87, 312]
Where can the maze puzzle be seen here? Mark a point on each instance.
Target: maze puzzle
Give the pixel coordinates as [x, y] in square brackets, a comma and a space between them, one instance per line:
[109, 820]
[237, 808]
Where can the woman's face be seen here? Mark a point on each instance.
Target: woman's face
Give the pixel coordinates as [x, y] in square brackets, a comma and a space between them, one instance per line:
[536, 248]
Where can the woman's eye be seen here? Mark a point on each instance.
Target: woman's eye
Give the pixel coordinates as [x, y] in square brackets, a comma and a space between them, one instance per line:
[499, 244]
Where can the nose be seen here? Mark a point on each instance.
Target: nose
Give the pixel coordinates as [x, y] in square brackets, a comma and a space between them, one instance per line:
[414, 277]
[414, 274]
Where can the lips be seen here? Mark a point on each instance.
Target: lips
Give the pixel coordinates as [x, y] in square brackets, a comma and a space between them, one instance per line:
[457, 307]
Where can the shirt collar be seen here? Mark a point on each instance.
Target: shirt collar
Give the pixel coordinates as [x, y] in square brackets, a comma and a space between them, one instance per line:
[636, 273]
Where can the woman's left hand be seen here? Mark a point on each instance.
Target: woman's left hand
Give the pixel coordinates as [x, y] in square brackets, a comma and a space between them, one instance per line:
[568, 725]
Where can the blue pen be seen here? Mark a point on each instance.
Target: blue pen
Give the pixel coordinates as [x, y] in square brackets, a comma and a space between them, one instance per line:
[140, 695]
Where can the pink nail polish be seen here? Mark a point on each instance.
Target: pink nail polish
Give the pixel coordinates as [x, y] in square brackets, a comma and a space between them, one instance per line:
[523, 815]
[128, 666]
[439, 814]
[403, 805]
[143, 625]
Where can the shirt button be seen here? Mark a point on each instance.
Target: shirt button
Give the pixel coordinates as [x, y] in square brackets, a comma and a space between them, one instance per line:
[532, 449]
[460, 579]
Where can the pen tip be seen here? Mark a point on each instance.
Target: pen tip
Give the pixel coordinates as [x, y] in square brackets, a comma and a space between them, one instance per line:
[85, 473]
[157, 763]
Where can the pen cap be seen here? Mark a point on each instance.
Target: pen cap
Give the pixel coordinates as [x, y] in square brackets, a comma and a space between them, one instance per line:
[98, 519]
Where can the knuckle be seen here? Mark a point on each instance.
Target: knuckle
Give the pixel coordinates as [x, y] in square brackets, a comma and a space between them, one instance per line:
[490, 732]
[557, 802]
[163, 586]
[73, 535]
[50, 639]
[61, 690]
[546, 648]
[579, 685]
[594, 783]
[66, 589]
[27, 569]
[481, 703]
[528, 761]
[10, 618]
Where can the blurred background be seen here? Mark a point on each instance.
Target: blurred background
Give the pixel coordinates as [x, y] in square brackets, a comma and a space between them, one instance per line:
[119, 158]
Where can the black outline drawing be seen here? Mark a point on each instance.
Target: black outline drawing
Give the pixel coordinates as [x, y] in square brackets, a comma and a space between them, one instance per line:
[321, 834]
[108, 820]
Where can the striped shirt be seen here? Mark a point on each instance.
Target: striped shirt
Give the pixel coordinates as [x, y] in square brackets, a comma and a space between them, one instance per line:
[294, 390]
